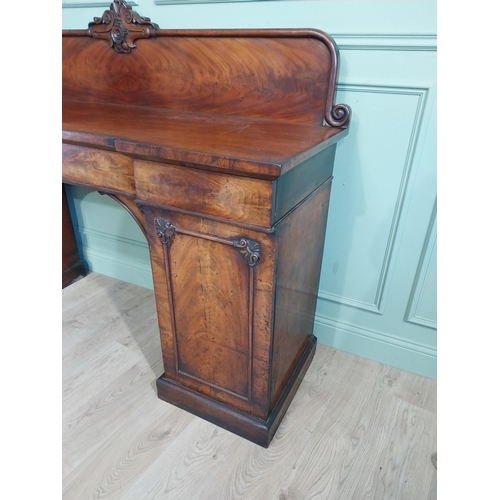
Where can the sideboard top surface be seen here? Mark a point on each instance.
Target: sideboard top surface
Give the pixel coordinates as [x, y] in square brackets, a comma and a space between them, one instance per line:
[248, 146]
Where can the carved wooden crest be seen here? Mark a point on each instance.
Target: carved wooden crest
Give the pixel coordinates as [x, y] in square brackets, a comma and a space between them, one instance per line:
[122, 27]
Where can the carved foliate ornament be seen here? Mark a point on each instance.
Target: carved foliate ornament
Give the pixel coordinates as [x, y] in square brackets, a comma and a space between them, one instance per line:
[249, 249]
[122, 27]
[165, 230]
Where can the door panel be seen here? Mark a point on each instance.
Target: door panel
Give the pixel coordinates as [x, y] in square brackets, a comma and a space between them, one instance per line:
[210, 287]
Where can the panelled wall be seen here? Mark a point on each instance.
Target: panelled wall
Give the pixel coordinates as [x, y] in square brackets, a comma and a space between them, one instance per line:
[378, 283]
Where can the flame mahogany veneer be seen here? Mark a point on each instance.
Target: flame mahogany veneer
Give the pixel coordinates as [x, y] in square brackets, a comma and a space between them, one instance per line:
[220, 144]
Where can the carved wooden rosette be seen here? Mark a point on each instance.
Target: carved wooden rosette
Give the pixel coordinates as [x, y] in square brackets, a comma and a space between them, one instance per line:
[122, 26]
[249, 249]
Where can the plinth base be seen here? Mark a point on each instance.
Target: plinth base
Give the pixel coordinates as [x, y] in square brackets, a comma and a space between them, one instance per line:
[254, 429]
[72, 272]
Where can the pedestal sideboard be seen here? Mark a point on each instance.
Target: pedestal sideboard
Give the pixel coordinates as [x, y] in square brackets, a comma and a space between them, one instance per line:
[220, 144]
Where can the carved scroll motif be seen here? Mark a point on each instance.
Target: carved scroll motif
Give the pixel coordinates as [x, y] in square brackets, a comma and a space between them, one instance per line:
[339, 115]
[249, 249]
[165, 230]
[122, 26]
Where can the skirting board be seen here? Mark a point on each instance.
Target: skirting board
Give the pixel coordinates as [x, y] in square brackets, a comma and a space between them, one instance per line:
[376, 346]
[137, 273]
[135, 270]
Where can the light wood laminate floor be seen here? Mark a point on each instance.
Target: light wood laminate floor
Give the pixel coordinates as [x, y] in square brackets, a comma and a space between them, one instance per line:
[356, 430]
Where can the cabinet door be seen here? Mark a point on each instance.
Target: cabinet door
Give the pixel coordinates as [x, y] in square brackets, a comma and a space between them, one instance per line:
[205, 286]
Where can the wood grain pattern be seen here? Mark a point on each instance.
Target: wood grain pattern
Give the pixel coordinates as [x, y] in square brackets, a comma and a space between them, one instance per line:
[221, 271]
[254, 473]
[280, 78]
[225, 196]
[101, 301]
[360, 459]
[210, 284]
[97, 168]
[244, 424]
[347, 434]
[120, 461]
[233, 144]
[299, 235]
[416, 391]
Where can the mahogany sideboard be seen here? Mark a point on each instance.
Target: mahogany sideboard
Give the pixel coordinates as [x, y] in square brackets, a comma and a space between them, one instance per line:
[72, 265]
[220, 144]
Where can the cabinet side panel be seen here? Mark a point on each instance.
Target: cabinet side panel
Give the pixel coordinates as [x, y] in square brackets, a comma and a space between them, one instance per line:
[301, 238]
[299, 182]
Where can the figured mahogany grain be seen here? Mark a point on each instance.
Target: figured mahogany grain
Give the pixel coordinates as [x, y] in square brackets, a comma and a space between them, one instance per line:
[210, 286]
[233, 144]
[227, 196]
[281, 78]
[98, 168]
[213, 311]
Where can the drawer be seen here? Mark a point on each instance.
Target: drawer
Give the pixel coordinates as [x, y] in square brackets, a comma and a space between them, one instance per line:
[98, 168]
[231, 197]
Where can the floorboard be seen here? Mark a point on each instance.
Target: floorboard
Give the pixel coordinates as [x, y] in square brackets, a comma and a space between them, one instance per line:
[356, 429]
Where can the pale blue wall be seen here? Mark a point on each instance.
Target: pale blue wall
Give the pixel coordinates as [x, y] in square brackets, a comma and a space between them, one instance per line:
[378, 284]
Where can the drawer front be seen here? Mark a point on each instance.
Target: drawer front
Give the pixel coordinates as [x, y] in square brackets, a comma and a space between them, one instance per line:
[98, 168]
[231, 197]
